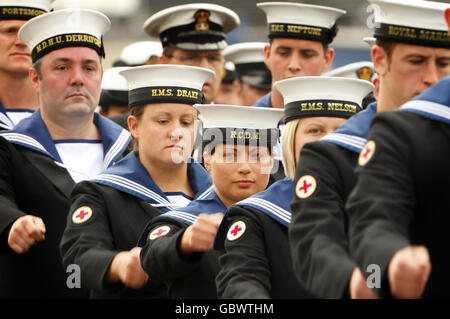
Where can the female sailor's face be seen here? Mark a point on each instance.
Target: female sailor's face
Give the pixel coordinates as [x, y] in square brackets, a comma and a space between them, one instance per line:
[238, 171]
[165, 132]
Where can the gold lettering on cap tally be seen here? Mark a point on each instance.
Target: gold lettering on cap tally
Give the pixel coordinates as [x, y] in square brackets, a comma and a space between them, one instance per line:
[277, 28]
[304, 30]
[341, 107]
[187, 93]
[402, 32]
[22, 11]
[311, 106]
[162, 92]
[244, 135]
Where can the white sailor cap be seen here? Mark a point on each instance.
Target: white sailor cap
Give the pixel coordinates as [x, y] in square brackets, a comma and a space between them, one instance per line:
[235, 124]
[363, 70]
[112, 80]
[165, 83]
[73, 27]
[23, 9]
[248, 58]
[302, 21]
[413, 22]
[141, 52]
[195, 26]
[228, 72]
[371, 41]
[311, 96]
[114, 88]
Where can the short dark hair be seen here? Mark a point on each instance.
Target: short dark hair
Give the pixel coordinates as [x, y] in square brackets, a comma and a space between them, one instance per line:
[324, 45]
[387, 46]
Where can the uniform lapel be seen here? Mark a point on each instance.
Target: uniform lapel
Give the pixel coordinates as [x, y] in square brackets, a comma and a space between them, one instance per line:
[58, 176]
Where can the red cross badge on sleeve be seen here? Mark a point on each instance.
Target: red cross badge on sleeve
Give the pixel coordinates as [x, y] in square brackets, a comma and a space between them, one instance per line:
[158, 232]
[82, 215]
[236, 230]
[306, 186]
[366, 153]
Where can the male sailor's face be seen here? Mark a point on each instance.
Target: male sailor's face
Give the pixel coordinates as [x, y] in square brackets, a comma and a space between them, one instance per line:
[69, 82]
[15, 56]
[410, 70]
[287, 58]
[210, 59]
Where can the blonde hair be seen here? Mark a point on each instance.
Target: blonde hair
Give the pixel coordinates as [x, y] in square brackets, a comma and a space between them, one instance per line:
[288, 147]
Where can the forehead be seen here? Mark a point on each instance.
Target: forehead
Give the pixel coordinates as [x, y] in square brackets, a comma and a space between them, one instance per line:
[75, 54]
[11, 23]
[200, 52]
[325, 121]
[171, 109]
[296, 44]
[403, 49]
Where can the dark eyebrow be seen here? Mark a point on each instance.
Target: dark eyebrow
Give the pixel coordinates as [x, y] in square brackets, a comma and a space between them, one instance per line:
[416, 55]
[281, 47]
[66, 60]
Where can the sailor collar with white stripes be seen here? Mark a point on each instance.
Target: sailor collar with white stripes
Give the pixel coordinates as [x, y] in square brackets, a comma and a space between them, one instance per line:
[32, 133]
[433, 103]
[207, 203]
[352, 135]
[130, 176]
[274, 202]
[5, 122]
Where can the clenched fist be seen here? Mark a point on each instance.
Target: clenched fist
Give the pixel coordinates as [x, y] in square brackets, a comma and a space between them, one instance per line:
[200, 235]
[359, 288]
[126, 267]
[408, 272]
[25, 232]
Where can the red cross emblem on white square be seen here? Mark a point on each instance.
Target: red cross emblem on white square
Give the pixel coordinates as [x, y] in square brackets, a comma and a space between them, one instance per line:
[236, 230]
[366, 153]
[158, 232]
[82, 215]
[306, 186]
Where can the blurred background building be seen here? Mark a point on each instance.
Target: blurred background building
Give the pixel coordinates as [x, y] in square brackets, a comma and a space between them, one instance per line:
[128, 16]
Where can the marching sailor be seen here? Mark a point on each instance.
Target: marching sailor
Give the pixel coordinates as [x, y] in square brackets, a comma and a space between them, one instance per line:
[405, 66]
[18, 97]
[108, 212]
[257, 261]
[238, 142]
[62, 143]
[405, 237]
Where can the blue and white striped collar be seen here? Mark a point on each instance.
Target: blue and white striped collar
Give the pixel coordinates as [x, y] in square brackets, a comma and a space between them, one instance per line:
[352, 135]
[274, 202]
[32, 133]
[129, 176]
[208, 203]
[433, 103]
[5, 121]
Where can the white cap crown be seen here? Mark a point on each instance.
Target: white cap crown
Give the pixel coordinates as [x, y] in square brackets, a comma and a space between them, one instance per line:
[165, 83]
[71, 27]
[311, 96]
